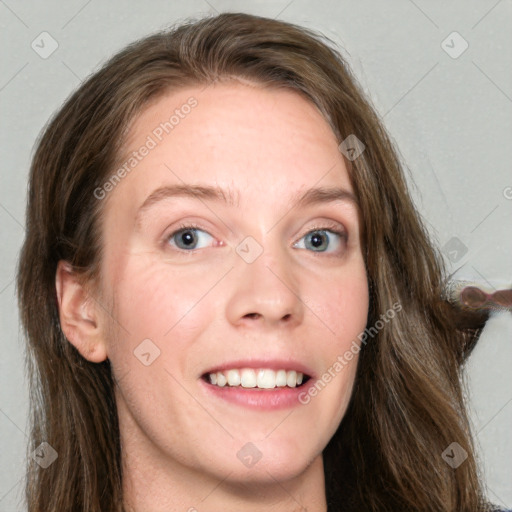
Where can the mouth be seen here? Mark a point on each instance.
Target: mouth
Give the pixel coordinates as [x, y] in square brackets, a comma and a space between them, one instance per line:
[259, 384]
[256, 378]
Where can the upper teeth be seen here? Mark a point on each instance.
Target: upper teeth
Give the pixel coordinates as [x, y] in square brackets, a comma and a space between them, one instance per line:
[262, 378]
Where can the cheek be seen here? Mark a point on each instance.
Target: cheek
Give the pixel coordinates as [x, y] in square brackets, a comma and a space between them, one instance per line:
[341, 307]
[156, 301]
[152, 302]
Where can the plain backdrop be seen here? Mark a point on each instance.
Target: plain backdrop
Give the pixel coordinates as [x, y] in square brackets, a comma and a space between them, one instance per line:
[439, 74]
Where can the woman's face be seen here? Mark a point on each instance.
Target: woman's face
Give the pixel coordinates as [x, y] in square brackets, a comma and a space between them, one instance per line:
[261, 281]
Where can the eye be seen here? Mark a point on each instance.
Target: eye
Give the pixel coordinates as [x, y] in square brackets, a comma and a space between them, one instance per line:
[186, 237]
[319, 240]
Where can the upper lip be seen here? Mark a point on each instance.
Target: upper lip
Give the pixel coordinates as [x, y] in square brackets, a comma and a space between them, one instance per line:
[256, 363]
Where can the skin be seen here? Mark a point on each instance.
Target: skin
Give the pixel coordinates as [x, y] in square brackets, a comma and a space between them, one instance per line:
[179, 445]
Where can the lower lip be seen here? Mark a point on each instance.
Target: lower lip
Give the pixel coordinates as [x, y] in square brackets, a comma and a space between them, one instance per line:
[261, 399]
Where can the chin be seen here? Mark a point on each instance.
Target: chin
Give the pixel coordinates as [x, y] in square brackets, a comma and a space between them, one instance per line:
[263, 462]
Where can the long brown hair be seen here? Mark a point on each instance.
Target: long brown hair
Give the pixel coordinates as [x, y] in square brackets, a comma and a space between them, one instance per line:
[407, 406]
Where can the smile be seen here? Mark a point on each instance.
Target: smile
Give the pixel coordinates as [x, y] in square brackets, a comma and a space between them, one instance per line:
[263, 378]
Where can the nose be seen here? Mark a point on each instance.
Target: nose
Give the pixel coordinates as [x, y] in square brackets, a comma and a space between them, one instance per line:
[266, 292]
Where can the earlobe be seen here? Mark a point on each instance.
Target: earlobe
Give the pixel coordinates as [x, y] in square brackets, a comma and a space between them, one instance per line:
[79, 316]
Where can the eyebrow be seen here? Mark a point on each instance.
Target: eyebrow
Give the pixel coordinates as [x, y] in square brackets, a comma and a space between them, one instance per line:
[231, 198]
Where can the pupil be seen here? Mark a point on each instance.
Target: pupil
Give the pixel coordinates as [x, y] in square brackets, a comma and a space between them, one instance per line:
[316, 240]
[187, 236]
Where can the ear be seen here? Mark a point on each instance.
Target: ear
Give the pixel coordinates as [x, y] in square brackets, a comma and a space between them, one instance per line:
[80, 318]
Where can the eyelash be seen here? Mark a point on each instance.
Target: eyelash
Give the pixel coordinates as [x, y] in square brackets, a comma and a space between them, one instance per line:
[330, 227]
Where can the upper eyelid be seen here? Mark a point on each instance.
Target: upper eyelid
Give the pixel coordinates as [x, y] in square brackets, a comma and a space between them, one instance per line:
[319, 225]
[332, 226]
[348, 215]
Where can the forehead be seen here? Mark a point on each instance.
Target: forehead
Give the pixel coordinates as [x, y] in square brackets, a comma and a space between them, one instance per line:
[258, 142]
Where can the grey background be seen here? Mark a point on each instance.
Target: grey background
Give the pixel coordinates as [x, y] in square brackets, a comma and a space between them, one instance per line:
[450, 117]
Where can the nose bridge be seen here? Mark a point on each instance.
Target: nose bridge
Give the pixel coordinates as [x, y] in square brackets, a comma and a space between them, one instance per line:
[266, 285]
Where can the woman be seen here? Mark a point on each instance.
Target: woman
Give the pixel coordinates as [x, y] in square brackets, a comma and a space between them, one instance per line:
[302, 357]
